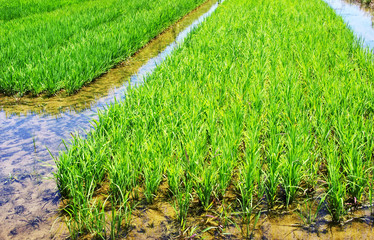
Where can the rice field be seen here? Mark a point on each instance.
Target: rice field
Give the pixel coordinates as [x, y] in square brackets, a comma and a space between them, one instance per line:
[49, 46]
[266, 106]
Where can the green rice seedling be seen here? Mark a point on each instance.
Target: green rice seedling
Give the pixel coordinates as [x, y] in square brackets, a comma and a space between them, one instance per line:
[98, 224]
[88, 218]
[311, 167]
[205, 185]
[292, 169]
[353, 162]
[120, 217]
[370, 193]
[356, 174]
[72, 227]
[122, 178]
[175, 175]
[336, 186]
[115, 225]
[308, 212]
[123, 211]
[183, 199]
[249, 177]
[272, 172]
[248, 180]
[193, 148]
[296, 136]
[181, 186]
[76, 172]
[224, 162]
[228, 142]
[370, 171]
[225, 168]
[152, 180]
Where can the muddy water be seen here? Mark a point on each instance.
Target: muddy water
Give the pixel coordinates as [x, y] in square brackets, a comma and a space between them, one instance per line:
[222, 221]
[28, 195]
[29, 126]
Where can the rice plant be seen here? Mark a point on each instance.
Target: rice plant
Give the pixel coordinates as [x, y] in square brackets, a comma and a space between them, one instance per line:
[183, 197]
[272, 172]
[336, 186]
[250, 170]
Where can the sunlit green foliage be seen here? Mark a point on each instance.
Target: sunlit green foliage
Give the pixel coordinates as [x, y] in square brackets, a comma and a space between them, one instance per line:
[273, 98]
[70, 46]
[14, 9]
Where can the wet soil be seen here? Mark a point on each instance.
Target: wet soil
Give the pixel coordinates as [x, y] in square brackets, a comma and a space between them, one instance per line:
[224, 221]
[367, 5]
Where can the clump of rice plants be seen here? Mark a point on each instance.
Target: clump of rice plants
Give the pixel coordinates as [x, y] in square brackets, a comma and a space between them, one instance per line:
[336, 186]
[272, 172]
[250, 174]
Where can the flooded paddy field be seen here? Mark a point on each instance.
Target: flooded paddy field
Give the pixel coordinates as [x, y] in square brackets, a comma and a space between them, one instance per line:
[30, 198]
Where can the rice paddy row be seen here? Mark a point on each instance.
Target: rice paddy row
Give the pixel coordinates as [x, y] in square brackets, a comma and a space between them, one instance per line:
[71, 45]
[10, 10]
[270, 102]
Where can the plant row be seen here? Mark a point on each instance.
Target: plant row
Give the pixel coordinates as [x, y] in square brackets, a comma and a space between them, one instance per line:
[10, 10]
[68, 47]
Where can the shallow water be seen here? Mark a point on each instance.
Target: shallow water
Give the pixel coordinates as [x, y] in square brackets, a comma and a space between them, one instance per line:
[29, 126]
[28, 195]
[358, 17]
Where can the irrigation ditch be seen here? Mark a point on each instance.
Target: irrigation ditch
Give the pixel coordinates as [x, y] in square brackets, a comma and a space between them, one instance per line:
[28, 195]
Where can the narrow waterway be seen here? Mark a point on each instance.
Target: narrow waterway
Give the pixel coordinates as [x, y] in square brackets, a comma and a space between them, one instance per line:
[357, 17]
[32, 128]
